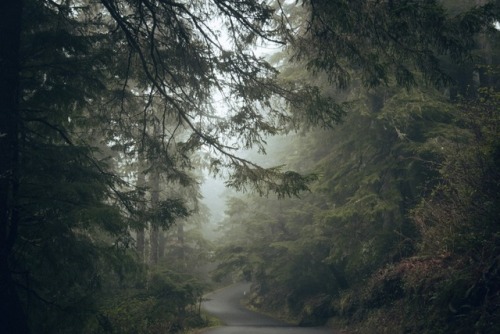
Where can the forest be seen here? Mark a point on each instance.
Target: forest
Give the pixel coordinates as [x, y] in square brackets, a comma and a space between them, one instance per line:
[358, 142]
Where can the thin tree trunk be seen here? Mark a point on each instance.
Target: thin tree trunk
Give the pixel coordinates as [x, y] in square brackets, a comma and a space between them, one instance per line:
[162, 243]
[140, 243]
[12, 317]
[153, 237]
[155, 197]
[180, 240]
[153, 241]
[141, 182]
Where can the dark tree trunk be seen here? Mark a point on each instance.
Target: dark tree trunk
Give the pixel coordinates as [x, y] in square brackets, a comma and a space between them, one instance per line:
[141, 182]
[154, 185]
[140, 243]
[12, 317]
[155, 196]
[153, 240]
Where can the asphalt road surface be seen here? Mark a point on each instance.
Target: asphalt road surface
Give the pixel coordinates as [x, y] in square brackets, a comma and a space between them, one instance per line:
[225, 304]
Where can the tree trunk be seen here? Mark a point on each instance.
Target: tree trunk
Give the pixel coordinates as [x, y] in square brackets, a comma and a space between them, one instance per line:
[140, 243]
[162, 243]
[154, 185]
[141, 182]
[153, 241]
[155, 196]
[12, 317]
[180, 240]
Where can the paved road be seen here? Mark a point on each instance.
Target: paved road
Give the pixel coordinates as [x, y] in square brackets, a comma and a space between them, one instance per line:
[225, 304]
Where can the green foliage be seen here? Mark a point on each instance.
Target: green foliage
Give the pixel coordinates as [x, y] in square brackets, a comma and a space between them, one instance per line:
[460, 218]
[267, 181]
[386, 42]
[67, 229]
[450, 219]
[450, 286]
[167, 211]
[168, 304]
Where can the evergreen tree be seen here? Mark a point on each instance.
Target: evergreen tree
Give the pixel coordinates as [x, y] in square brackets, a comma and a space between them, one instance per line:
[388, 42]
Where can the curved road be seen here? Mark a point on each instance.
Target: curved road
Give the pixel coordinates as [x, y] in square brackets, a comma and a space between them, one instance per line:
[225, 304]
